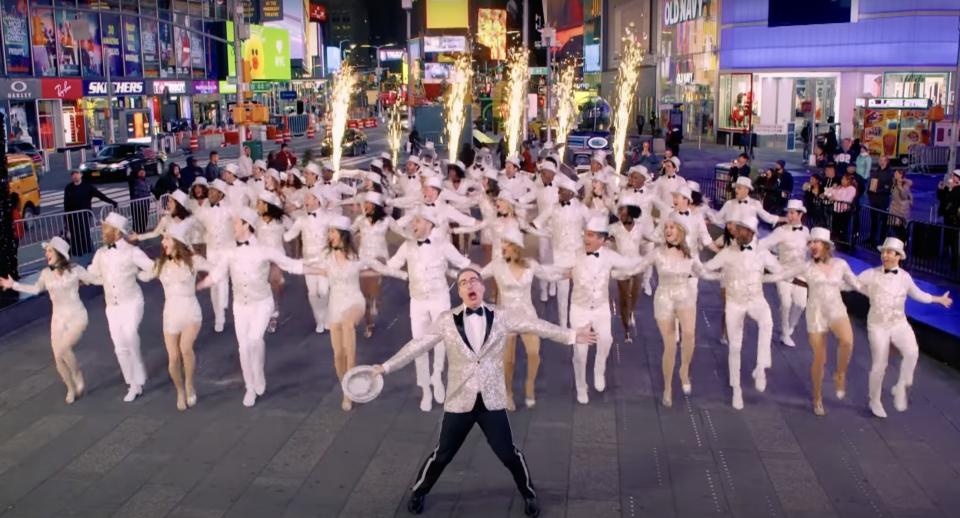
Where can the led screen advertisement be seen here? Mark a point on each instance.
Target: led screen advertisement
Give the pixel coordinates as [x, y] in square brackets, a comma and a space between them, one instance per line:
[292, 21]
[86, 28]
[492, 32]
[112, 43]
[447, 14]
[266, 54]
[69, 49]
[16, 39]
[131, 47]
[44, 42]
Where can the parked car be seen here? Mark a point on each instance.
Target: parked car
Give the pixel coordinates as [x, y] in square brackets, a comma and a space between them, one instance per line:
[28, 149]
[115, 162]
[354, 144]
[23, 181]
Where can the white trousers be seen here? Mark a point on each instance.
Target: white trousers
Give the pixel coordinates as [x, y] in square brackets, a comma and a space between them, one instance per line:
[793, 300]
[124, 323]
[545, 255]
[599, 319]
[737, 312]
[220, 291]
[902, 337]
[318, 289]
[423, 313]
[250, 324]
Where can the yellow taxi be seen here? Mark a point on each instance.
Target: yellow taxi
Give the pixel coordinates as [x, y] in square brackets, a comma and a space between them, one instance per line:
[24, 182]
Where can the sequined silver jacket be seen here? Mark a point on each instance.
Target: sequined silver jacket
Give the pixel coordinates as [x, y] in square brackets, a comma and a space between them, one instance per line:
[471, 372]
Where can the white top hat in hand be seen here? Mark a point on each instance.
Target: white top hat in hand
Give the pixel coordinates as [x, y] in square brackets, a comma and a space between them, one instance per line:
[362, 384]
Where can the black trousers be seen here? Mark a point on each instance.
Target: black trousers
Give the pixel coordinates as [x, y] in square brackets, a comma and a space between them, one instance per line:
[453, 431]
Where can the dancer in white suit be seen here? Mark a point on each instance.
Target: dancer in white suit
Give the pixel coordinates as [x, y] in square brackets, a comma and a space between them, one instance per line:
[888, 287]
[115, 266]
[790, 244]
[68, 319]
[216, 217]
[311, 228]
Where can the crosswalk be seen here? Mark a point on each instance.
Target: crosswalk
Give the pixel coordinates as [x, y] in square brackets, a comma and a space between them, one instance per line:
[51, 200]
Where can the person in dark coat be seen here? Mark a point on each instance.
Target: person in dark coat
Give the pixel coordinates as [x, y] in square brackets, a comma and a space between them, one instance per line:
[212, 171]
[948, 195]
[879, 188]
[190, 173]
[140, 197]
[77, 202]
[168, 182]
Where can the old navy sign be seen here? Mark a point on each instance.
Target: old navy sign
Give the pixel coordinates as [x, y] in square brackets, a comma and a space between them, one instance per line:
[120, 88]
[679, 11]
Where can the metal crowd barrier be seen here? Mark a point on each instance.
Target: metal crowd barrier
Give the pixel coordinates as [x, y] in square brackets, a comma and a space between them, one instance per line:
[142, 213]
[79, 228]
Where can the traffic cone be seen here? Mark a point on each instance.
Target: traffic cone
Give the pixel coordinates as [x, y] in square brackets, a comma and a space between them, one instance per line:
[286, 132]
[194, 142]
[279, 138]
[310, 131]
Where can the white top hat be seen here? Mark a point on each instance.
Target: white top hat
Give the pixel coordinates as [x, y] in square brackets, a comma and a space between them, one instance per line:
[327, 165]
[295, 172]
[58, 244]
[513, 235]
[796, 205]
[180, 232]
[563, 181]
[313, 168]
[459, 165]
[232, 169]
[200, 181]
[680, 221]
[116, 221]
[598, 224]
[317, 191]
[181, 198]
[743, 181]
[386, 156]
[283, 176]
[676, 162]
[506, 196]
[684, 191]
[430, 145]
[642, 170]
[248, 216]
[374, 177]
[413, 159]
[271, 199]
[261, 164]
[820, 234]
[956, 172]
[599, 157]
[362, 384]
[376, 162]
[602, 176]
[514, 159]
[435, 182]
[694, 186]
[219, 185]
[892, 243]
[273, 173]
[548, 166]
[374, 197]
[744, 219]
[630, 200]
[430, 214]
[491, 173]
[340, 222]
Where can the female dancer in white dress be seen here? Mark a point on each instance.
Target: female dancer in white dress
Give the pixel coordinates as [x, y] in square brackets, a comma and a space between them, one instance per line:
[371, 229]
[514, 274]
[177, 270]
[675, 300]
[342, 267]
[269, 233]
[178, 210]
[826, 276]
[631, 235]
[68, 320]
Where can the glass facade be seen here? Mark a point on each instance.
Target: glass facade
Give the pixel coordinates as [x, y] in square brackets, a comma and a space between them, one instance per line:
[688, 71]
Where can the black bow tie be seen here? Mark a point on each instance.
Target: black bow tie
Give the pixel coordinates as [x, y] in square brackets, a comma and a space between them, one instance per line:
[892, 270]
[595, 254]
[52, 268]
[424, 242]
[411, 177]
[684, 212]
[478, 312]
[314, 214]
[258, 180]
[638, 191]
[112, 247]
[745, 247]
[564, 203]
[671, 177]
[326, 182]
[742, 202]
[243, 243]
[215, 204]
[598, 196]
[548, 184]
[502, 215]
[677, 246]
[797, 229]
[430, 204]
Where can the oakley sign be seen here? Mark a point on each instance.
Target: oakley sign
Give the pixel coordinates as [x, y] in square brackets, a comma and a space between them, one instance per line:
[679, 11]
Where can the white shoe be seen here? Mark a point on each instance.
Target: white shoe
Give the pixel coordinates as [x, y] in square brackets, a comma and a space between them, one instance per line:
[647, 290]
[249, 399]
[723, 340]
[530, 402]
[582, 397]
[760, 380]
[192, 400]
[320, 329]
[553, 290]
[787, 340]
[132, 393]
[426, 401]
[218, 327]
[260, 388]
[686, 388]
[543, 296]
[877, 408]
[737, 398]
[439, 394]
[899, 397]
[599, 381]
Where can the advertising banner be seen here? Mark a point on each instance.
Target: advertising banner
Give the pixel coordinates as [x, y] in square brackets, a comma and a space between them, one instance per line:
[69, 49]
[205, 87]
[445, 44]
[169, 87]
[131, 47]
[149, 47]
[266, 54]
[44, 43]
[318, 13]
[69, 89]
[196, 53]
[272, 10]
[120, 88]
[447, 14]
[492, 32]
[292, 21]
[16, 38]
[86, 29]
[110, 39]
[168, 58]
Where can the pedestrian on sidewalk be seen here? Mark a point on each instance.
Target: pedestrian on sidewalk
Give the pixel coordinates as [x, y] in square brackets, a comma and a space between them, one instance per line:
[901, 202]
[212, 171]
[285, 158]
[78, 196]
[190, 173]
[168, 182]
[879, 187]
[139, 199]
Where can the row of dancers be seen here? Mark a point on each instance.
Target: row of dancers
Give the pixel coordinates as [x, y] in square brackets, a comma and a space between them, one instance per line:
[245, 232]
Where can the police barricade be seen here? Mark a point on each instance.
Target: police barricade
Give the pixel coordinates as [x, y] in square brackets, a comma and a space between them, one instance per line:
[79, 228]
[934, 249]
[871, 226]
[142, 214]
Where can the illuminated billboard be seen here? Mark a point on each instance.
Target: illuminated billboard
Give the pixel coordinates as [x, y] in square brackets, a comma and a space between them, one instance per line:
[492, 31]
[447, 14]
[266, 53]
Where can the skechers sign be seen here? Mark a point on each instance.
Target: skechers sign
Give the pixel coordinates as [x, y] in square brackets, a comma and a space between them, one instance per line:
[679, 11]
[99, 88]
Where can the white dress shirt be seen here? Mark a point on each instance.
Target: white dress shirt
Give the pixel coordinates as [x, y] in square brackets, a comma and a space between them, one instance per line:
[217, 221]
[629, 242]
[665, 187]
[520, 186]
[116, 268]
[427, 265]
[565, 224]
[741, 207]
[888, 291]
[697, 238]
[312, 229]
[249, 268]
[591, 276]
[789, 242]
[742, 268]
[475, 327]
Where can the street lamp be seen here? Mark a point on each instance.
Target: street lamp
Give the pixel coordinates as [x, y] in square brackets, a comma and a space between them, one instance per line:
[341, 48]
[379, 70]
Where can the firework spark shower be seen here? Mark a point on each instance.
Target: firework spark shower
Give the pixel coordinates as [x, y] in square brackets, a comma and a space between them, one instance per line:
[518, 76]
[344, 84]
[628, 74]
[563, 91]
[461, 79]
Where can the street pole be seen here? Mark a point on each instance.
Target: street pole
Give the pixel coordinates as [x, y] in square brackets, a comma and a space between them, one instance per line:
[549, 109]
[238, 35]
[952, 163]
[526, 46]
[408, 7]
[379, 71]
[111, 126]
[8, 245]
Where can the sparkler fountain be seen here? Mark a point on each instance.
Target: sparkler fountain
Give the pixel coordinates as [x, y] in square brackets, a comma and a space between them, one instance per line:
[461, 79]
[566, 108]
[517, 77]
[344, 84]
[395, 129]
[628, 74]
